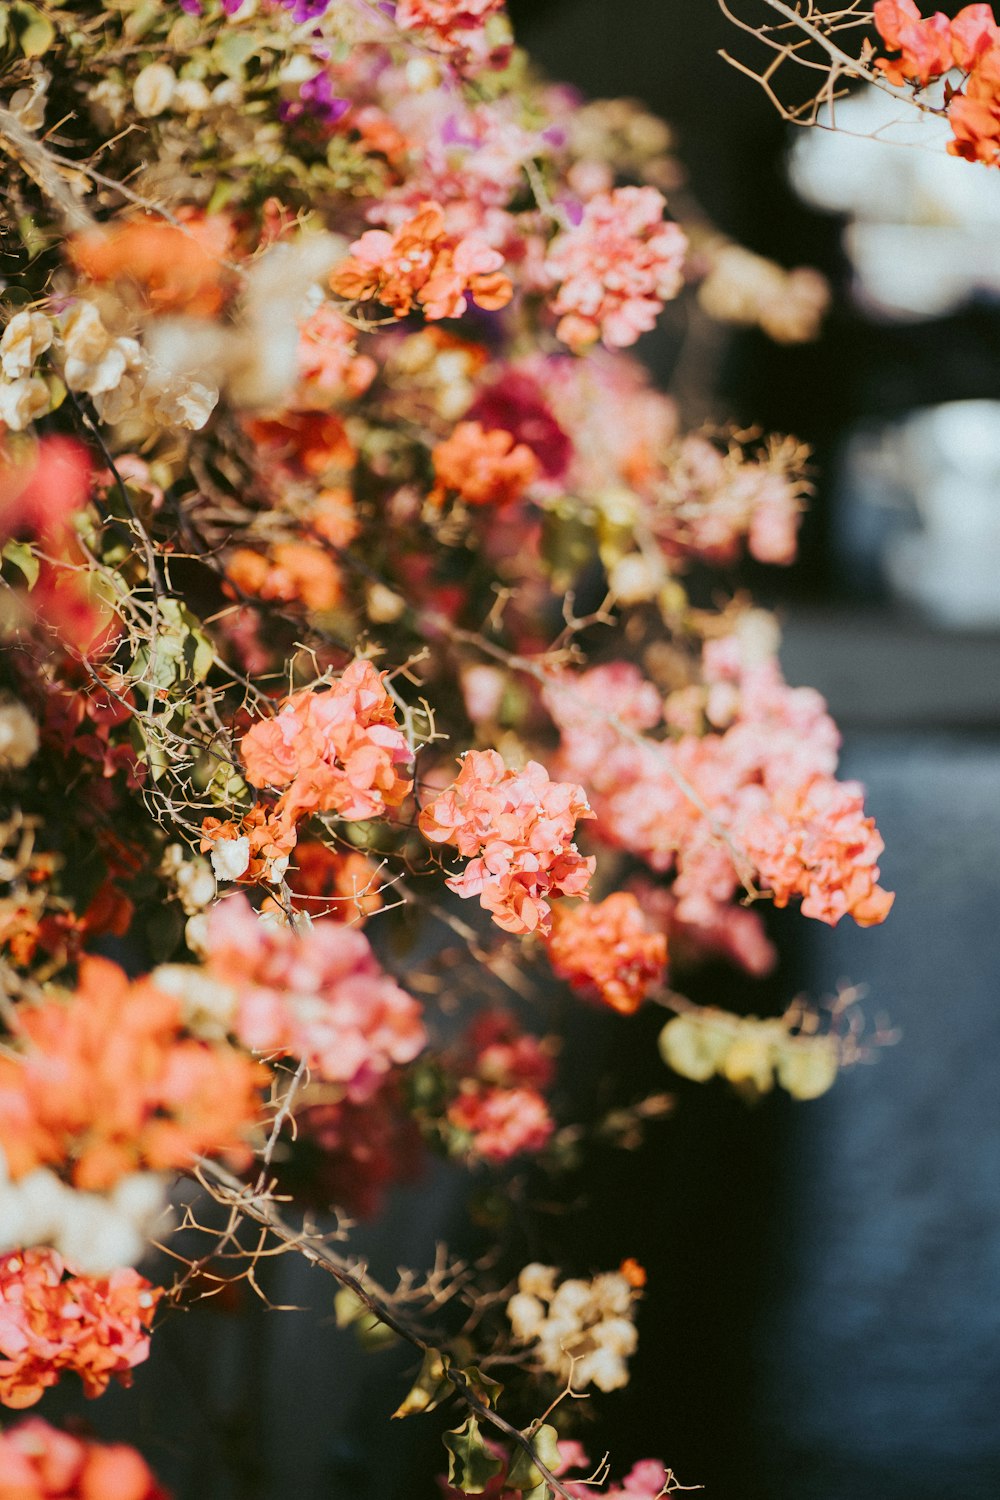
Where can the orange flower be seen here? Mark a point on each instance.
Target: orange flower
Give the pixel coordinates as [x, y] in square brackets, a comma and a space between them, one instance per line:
[269, 842]
[483, 467]
[103, 1082]
[421, 264]
[180, 266]
[94, 1326]
[606, 949]
[37, 1462]
[333, 750]
[331, 884]
[290, 572]
[312, 442]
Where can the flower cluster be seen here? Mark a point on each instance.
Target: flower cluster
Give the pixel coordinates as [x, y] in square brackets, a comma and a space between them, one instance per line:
[606, 949]
[706, 803]
[336, 749]
[930, 46]
[53, 1323]
[499, 1111]
[96, 1232]
[581, 1331]
[615, 269]
[483, 467]
[37, 1462]
[105, 1082]
[516, 829]
[319, 996]
[421, 264]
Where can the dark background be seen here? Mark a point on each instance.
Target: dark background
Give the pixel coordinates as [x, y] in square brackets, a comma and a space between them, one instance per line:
[823, 1313]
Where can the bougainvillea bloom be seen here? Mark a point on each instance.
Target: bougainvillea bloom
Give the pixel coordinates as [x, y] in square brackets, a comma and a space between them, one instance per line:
[446, 23]
[421, 264]
[37, 1462]
[483, 468]
[924, 44]
[607, 949]
[320, 995]
[104, 1083]
[333, 750]
[516, 829]
[616, 268]
[52, 1322]
[502, 1123]
[814, 841]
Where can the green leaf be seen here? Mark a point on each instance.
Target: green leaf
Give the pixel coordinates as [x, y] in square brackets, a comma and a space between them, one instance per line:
[489, 1391]
[522, 1473]
[351, 1312]
[430, 1387]
[471, 1465]
[35, 32]
[23, 557]
[233, 51]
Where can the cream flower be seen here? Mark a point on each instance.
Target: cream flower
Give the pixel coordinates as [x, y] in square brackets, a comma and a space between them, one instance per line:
[27, 335]
[154, 88]
[22, 401]
[18, 736]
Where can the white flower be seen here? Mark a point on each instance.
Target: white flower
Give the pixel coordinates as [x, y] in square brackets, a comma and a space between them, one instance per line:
[208, 1006]
[196, 933]
[603, 1369]
[18, 736]
[29, 104]
[95, 361]
[154, 89]
[612, 1293]
[190, 97]
[195, 885]
[187, 404]
[230, 857]
[27, 335]
[526, 1316]
[277, 870]
[21, 401]
[537, 1279]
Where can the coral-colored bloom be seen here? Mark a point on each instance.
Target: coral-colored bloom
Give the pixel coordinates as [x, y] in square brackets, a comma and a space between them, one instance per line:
[37, 1462]
[181, 266]
[814, 841]
[328, 359]
[616, 268]
[103, 1083]
[503, 1123]
[422, 264]
[447, 24]
[336, 749]
[290, 572]
[607, 949]
[484, 468]
[52, 1322]
[327, 882]
[320, 996]
[974, 115]
[516, 829]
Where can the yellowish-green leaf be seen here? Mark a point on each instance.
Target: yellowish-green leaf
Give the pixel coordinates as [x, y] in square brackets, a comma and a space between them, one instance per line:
[34, 31]
[23, 558]
[430, 1387]
[471, 1465]
[525, 1475]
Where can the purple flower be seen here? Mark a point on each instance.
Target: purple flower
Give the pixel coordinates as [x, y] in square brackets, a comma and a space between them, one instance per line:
[316, 98]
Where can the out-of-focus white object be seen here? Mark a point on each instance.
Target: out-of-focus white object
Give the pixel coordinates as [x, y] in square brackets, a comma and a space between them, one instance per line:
[922, 233]
[937, 473]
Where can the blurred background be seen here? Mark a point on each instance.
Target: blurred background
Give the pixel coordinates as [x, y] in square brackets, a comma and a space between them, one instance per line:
[822, 1319]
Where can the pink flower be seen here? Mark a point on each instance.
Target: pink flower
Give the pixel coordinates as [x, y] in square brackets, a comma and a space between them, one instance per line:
[336, 749]
[516, 829]
[502, 1122]
[52, 1322]
[37, 1462]
[607, 950]
[320, 996]
[616, 268]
